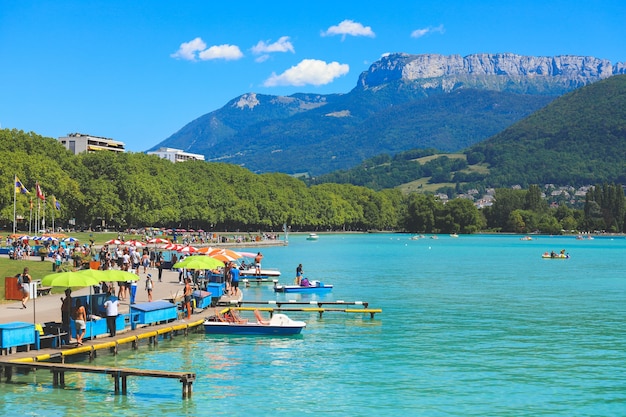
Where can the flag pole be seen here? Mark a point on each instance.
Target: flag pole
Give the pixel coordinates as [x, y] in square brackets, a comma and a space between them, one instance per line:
[37, 218]
[14, 199]
[43, 219]
[30, 217]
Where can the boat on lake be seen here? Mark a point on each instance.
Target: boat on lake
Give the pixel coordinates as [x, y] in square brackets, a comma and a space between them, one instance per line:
[278, 325]
[305, 286]
[312, 236]
[554, 255]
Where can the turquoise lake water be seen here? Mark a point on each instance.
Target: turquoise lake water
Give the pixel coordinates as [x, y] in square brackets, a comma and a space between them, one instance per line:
[471, 326]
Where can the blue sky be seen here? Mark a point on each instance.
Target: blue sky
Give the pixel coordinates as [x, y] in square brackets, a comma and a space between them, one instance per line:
[138, 71]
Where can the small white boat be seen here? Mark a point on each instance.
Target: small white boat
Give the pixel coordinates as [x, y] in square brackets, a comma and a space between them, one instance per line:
[305, 286]
[312, 236]
[278, 325]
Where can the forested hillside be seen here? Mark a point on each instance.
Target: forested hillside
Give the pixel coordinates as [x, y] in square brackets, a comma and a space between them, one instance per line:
[579, 138]
[129, 190]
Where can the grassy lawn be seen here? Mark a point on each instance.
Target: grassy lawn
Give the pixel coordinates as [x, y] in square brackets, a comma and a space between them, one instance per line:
[10, 268]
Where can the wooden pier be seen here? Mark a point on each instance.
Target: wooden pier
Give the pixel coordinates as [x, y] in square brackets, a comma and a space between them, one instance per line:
[58, 371]
[149, 335]
[315, 306]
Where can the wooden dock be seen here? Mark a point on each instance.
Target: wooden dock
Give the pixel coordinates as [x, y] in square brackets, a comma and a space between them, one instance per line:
[150, 335]
[314, 306]
[58, 371]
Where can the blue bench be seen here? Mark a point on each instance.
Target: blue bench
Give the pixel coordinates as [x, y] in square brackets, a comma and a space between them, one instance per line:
[97, 328]
[150, 313]
[16, 334]
[202, 298]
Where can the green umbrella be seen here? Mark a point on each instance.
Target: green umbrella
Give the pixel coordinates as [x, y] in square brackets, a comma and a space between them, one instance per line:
[198, 262]
[109, 275]
[69, 280]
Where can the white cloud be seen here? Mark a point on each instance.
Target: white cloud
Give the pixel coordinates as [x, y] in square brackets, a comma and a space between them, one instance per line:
[349, 27]
[192, 50]
[188, 50]
[308, 71]
[418, 33]
[281, 45]
[227, 52]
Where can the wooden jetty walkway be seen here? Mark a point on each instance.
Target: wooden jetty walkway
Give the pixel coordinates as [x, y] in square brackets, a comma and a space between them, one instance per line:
[58, 371]
[316, 306]
[54, 358]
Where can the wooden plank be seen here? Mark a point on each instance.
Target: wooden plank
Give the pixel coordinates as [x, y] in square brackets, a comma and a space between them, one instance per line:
[64, 367]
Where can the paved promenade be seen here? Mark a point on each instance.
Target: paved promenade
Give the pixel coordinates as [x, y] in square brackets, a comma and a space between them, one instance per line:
[48, 307]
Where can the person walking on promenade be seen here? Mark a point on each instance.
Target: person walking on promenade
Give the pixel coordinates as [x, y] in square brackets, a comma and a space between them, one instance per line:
[111, 305]
[159, 263]
[26, 279]
[149, 287]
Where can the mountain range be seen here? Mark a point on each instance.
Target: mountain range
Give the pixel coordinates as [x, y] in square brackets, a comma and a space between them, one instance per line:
[401, 102]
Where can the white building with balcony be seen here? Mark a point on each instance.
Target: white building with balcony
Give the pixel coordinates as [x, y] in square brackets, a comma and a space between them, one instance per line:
[176, 155]
[79, 143]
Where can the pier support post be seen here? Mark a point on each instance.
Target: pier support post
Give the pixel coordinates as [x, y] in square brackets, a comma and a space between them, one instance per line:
[187, 388]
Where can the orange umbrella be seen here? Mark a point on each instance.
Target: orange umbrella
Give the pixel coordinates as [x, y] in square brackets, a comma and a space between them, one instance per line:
[206, 249]
[223, 258]
[227, 252]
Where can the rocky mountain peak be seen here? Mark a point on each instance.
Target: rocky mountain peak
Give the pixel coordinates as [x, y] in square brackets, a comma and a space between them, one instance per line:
[500, 72]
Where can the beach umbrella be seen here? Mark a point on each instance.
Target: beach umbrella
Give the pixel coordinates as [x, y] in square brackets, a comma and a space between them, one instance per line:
[69, 280]
[173, 246]
[109, 275]
[206, 249]
[199, 262]
[135, 243]
[158, 240]
[222, 257]
[113, 242]
[226, 252]
[187, 249]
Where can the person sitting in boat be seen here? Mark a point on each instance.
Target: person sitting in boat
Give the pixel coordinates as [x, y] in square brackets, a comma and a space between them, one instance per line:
[259, 318]
[304, 282]
[233, 316]
[553, 254]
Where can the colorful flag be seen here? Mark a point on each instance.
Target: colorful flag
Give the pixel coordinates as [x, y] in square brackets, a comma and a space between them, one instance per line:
[55, 203]
[39, 193]
[19, 187]
[31, 203]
